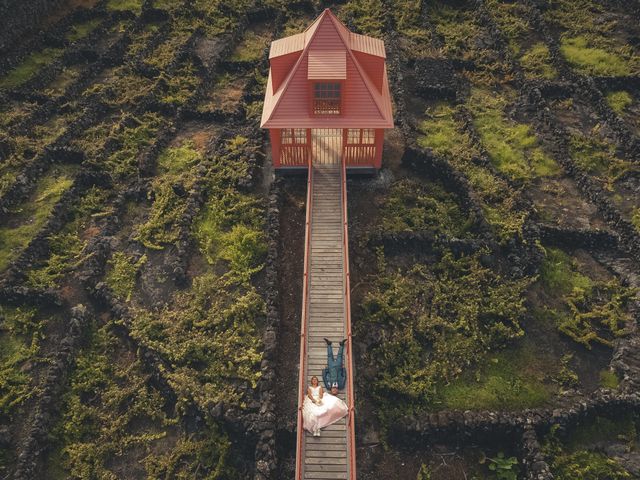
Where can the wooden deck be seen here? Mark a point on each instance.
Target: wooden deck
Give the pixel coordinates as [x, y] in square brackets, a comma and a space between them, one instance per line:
[327, 456]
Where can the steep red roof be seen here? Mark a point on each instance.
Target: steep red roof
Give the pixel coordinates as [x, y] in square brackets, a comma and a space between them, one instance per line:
[327, 50]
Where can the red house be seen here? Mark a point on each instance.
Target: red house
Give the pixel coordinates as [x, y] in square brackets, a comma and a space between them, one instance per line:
[327, 92]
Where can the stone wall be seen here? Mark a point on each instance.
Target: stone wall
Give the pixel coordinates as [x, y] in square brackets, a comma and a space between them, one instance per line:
[22, 17]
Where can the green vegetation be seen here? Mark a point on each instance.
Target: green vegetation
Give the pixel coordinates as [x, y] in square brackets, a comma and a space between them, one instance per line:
[29, 67]
[512, 147]
[168, 191]
[512, 20]
[592, 60]
[20, 336]
[536, 62]
[505, 468]
[112, 411]
[209, 335]
[417, 206]
[635, 218]
[181, 85]
[83, 29]
[133, 134]
[367, 16]
[437, 321]
[597, 156]
[442, 133]
[122, 274]
[465, 39]
[590, 311]
[32, 216]
[609, 379]
[619, 101]
[252, 47]
[67, 246]
[510, 380]
[120, 5]
[589, 41]
[578, 456]
[230, 227]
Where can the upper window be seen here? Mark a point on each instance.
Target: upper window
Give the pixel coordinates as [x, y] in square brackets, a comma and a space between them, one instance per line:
[327, 98]
[294, 136]
[361, 136]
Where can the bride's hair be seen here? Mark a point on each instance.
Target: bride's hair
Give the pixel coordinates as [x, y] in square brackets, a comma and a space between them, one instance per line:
[313, 378]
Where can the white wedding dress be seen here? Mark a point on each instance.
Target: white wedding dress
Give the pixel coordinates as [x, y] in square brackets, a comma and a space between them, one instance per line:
[329, 411]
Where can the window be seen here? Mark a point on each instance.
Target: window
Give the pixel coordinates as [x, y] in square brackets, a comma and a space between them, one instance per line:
[294, 136]
[327, 98]
[362, 136]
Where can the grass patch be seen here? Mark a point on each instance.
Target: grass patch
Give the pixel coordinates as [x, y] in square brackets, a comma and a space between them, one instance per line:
[367, 16]
[512, 147]
[591, 60]
[619, 101]
[81, 30]
[609, 379]
[536, 62]
[110, 411]
[32, 216]
[230, 229]
[509, 380]
[29, 67]
[122, 5]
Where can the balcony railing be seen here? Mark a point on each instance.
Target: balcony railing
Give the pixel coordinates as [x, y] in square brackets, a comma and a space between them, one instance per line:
[326, 106]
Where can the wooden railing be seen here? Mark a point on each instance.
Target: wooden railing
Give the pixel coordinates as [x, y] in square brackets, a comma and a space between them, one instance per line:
[297, 155]
[330, 106]
[351, 444]
[359, 154]
[303, 329]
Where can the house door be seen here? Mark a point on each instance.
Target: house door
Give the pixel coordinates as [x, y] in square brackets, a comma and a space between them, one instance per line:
[326, 144]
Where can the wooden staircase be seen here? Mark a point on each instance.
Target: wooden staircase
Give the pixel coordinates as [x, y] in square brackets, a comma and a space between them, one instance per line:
[326, 313]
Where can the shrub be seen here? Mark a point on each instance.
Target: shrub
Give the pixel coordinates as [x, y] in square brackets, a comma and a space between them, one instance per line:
[619, 101]
[593, 311]
[536, 62]
[20, 335]
[122, 275]
[417, 207]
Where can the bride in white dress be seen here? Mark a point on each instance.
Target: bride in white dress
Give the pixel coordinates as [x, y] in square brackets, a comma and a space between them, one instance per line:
[321, 408]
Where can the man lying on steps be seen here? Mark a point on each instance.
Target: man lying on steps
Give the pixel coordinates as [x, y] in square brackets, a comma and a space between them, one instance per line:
[334, 375]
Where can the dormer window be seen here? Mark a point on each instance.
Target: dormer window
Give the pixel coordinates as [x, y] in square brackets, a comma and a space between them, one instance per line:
[327, 98]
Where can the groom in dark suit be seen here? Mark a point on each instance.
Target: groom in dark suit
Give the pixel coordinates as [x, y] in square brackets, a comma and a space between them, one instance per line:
[334, 375]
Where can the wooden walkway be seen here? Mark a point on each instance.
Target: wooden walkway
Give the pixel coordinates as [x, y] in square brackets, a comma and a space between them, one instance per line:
[329, 456]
